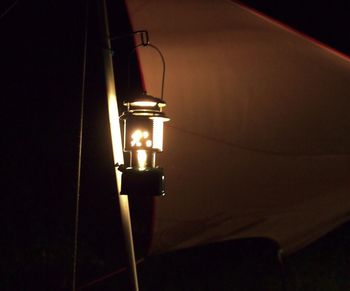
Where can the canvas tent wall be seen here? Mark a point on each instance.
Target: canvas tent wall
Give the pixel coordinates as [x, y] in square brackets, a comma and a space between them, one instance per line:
[258, 142]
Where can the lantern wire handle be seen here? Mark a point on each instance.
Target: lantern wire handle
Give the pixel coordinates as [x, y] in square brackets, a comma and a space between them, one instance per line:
[145, 43]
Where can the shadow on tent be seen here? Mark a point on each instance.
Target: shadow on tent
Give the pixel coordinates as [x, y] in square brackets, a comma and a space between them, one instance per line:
[243, 264]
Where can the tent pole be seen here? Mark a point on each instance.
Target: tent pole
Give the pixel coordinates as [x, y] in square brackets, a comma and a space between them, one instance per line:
[117, 144]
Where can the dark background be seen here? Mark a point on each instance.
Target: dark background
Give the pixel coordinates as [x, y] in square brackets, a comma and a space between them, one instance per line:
[41, 73]
[326, 21]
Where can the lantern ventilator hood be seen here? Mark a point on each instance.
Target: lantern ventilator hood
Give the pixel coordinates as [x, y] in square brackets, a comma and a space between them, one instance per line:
[145, 105]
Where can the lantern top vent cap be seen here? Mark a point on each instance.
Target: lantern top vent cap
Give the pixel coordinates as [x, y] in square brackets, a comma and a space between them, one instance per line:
[145, 101]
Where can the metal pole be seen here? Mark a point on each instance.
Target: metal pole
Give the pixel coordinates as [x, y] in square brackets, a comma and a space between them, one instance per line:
[117, 144]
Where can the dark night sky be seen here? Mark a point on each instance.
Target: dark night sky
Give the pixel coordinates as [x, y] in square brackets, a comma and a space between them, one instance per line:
[41, 75]
[326, 21]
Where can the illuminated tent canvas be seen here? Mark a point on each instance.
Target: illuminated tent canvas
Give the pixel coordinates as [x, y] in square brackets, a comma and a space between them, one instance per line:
[258, 143]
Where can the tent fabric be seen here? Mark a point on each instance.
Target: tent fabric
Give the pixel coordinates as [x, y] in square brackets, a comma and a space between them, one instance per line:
[258, 142]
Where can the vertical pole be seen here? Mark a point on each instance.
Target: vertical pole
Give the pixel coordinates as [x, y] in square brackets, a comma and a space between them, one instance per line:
[117, 144]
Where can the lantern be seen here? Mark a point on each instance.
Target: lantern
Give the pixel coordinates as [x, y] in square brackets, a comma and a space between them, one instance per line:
[143, 140]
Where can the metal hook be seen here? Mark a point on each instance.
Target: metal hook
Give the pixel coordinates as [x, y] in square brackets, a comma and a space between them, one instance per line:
[144, 37]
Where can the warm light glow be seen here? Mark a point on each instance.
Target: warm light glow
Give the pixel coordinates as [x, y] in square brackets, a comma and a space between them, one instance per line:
[144, 103]
[141, 159]
[158, 133]
[148, 143]
[137, 137]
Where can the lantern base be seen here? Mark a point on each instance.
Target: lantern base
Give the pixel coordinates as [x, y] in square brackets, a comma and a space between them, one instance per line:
[148, 182]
